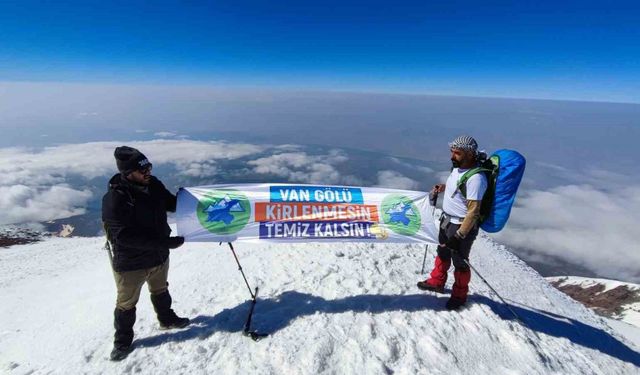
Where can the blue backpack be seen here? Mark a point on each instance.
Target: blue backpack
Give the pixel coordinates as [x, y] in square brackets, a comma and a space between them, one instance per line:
[504, 170]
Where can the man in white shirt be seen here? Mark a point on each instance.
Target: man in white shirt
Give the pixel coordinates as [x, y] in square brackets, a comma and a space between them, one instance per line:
[459, 222]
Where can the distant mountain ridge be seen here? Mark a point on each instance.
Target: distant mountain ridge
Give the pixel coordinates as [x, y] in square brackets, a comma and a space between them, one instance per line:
[614, 299]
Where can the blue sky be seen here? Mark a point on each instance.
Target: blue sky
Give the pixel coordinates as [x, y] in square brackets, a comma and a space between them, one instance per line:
[570, 50]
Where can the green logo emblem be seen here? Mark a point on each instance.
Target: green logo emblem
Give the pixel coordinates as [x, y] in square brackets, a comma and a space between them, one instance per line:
[224, 211]
[400, 214]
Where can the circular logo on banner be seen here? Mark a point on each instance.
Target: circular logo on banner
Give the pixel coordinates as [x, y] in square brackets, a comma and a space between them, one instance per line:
[224, 211]
[400, 214]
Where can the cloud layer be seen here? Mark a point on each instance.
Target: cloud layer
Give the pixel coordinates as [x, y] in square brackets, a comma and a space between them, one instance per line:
[35, 183]
[53, 164]
[395, 180]
[21, 203]
[302, 167]
[582, 224]
[591, 224]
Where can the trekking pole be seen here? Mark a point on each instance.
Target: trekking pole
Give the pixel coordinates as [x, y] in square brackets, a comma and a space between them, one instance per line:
[253, 296]
[433, 200]
[424, 259]
[493, 290]
[246, 331]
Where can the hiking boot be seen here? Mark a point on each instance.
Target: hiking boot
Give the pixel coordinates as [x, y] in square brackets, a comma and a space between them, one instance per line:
[120, 352]
[424, 285]
[454, 303]
[123, 321]
[166, 316]
[438, 277]
[177, 322]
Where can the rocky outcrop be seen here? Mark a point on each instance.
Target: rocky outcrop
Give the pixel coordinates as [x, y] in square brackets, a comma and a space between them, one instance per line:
[605, 299]
[18, 236]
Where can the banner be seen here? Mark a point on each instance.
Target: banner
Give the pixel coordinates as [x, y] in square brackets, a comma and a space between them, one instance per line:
[304, 213]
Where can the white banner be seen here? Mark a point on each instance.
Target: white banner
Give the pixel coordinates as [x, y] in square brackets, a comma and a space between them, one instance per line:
[304, 213]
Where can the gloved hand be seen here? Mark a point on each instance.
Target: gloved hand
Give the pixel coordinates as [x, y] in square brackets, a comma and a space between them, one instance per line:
[453, 242]
[175, 242]
[438, 188]
[433, 198]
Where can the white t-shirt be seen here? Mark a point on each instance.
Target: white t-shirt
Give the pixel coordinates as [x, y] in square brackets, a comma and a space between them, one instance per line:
[456, 206]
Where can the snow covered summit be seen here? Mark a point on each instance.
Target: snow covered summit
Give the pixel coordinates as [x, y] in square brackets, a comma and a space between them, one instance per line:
[339, 308]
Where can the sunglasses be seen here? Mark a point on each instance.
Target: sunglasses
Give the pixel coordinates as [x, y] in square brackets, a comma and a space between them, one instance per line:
[146, 169]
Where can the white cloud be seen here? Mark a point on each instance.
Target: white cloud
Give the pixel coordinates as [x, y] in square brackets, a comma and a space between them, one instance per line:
[35, 181]
[34, 184]
[299, 166]
[581, 224]
[182, 153]
[165, 134]
[596, 177]
[54, 164]
[20, 203]
[420, 168]
[199, 170]
[558, 168]
[441, 177]
[393, 179]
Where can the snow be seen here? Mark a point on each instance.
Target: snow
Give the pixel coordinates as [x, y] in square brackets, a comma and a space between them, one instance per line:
[629, 331]
[328, 308]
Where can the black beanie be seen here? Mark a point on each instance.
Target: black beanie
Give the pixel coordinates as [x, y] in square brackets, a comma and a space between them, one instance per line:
[128, 159]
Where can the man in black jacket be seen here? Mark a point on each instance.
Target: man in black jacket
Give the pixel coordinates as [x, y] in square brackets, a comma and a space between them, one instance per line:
[134, 213]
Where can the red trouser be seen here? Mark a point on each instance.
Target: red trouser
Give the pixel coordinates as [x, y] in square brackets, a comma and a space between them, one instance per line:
[461, 284]
[438, 276]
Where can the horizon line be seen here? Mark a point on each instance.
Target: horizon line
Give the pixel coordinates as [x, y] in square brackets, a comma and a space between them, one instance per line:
[310, 89]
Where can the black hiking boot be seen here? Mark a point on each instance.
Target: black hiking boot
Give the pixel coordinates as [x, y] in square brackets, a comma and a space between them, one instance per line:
[455, 303]
[177, 322]
[166, 316]
[423, 285]
[123, 321]
[120, 353]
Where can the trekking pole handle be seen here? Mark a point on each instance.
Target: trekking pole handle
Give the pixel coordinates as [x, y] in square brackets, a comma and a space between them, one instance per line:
[235, 256]
[433, 197]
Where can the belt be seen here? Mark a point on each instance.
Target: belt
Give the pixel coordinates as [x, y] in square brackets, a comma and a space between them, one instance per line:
[452, 219]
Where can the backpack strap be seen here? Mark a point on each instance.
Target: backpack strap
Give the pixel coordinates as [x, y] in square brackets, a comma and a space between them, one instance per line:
[462, 181]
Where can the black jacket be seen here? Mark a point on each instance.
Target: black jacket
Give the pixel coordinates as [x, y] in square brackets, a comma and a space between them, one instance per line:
[135, 219]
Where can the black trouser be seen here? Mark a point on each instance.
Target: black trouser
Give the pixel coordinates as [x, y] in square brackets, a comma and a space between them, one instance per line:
[448, 230]
[123, 323]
